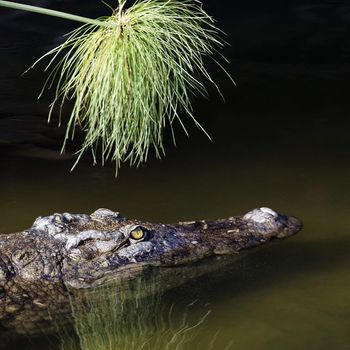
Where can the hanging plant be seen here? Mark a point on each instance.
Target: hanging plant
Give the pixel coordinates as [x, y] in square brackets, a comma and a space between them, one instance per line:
[130, 74]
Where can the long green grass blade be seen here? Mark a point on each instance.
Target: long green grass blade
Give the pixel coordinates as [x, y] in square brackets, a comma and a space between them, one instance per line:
[48, 12]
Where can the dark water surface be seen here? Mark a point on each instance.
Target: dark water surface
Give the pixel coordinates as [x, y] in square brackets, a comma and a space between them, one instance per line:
[281, 140]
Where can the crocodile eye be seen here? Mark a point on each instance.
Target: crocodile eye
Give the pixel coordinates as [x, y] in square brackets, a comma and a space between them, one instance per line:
[137, 233]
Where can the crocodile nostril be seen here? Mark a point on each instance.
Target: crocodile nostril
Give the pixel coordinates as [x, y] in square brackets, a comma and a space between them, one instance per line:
[261, 215]
[269, 211]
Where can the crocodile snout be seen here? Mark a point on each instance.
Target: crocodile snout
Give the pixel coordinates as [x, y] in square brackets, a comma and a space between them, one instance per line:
[291, 227]
[272, 224]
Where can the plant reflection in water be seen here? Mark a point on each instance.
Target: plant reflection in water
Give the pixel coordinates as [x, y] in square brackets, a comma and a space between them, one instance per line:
[133, 315]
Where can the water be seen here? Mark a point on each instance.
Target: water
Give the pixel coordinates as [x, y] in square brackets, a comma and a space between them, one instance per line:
[280, 140]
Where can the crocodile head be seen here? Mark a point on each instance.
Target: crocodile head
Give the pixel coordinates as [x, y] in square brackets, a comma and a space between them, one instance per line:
[74, 252]
[106, 245]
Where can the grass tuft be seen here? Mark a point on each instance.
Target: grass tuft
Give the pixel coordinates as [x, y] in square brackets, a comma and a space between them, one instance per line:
[133, 75]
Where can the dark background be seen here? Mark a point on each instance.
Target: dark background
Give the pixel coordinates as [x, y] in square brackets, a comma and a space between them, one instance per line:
[290, 60]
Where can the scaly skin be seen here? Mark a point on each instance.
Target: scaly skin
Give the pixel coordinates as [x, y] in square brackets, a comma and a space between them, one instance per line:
[65, 252]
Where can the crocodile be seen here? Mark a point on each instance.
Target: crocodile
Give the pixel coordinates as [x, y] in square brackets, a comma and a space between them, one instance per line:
[59, 253]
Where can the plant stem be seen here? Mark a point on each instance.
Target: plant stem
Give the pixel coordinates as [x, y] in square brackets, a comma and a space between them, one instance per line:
[48, 12]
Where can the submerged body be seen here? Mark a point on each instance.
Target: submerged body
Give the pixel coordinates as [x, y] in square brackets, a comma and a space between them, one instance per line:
[65, 252]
